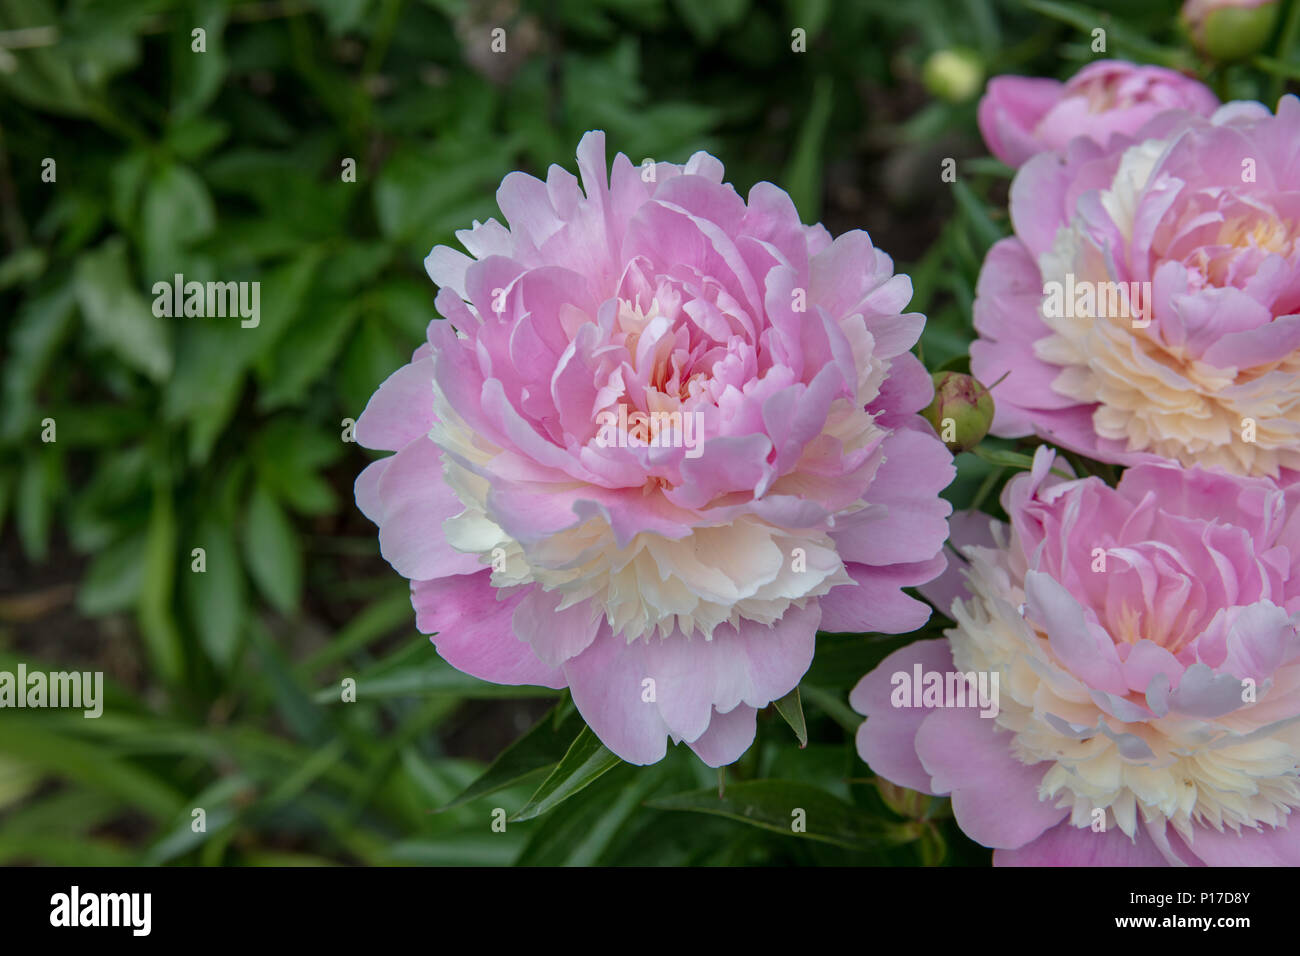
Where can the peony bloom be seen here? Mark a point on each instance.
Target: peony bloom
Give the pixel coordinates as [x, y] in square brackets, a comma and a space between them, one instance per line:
[1144, 640]
[672, 575]
[1023, 116]
[1178, 253]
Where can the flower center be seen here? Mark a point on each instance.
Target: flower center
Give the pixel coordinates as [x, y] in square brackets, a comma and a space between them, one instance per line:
[1266, 233]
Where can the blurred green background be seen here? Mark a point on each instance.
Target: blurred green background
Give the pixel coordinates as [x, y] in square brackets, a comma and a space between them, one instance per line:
[173, 434]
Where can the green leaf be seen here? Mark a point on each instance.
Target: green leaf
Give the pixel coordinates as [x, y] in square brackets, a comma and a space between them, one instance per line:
[202, 392]
[272, 551]
[380, 617]
[42, 76]
[458, 849]
[17, 781]
[157, 622]
[292, 702]
[34, 503]
[430, 677]
[435, 191]
[1011, 459]
[197, 77]
[216, 802]
[707, 20]
[194, 136]
[370, 357]
[804, 174]
[216, 596]
[90, 764]
[282, 295]
[1124, 40]
[791, 710]
[114, 580]
[775, 804]
[988, 166]
[116, 311]
[343, 15]
[542, 747]
[306, 352]
[289, 453]
[22, 266]
[832, 704]
[586, 759]
[39, 328]
[176, 213]
[581, 831]
[976, 213]
[7, 481]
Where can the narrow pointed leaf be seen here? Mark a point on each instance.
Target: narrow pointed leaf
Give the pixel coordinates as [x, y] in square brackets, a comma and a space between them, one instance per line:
[791, 708]
[796, 809]
[585, 760]
[535, 752]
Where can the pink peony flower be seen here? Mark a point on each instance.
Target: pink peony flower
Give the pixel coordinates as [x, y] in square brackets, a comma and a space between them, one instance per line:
[1147, 304]
[1148, 667]
[1023, 116]
[672, 575]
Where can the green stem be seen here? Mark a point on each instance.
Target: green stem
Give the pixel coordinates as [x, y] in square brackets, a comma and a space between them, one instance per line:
[1285, 43]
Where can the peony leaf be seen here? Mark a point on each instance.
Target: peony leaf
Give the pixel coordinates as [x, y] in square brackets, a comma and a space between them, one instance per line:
[832, 704]
[527, 758]
[804, 174]
[428, 677]
[154, 607]
[216, 595]
[586, 759]
[1002, 458]
[272, 551]
[791, 709]
[976, 213]
[119, 314]
[585, 832]
[115, 577]
[176, 212]
[796, 809]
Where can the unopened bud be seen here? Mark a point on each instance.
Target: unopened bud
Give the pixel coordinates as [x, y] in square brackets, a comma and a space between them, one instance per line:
[1228, 30]
[955, 75]
[961, 412]
[906, 803]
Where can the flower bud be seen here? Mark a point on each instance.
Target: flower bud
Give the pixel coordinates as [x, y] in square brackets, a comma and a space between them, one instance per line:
[961, 412]
[955, 75]
[906, 803]
[1229, 30]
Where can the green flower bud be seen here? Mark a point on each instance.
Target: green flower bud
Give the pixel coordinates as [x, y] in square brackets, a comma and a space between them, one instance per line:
[906, 803]
[955, 75]
[961, 412]
[1228, 30]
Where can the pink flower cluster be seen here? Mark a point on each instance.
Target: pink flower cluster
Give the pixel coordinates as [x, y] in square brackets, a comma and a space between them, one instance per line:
[1140, 642]
[1142, 639]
